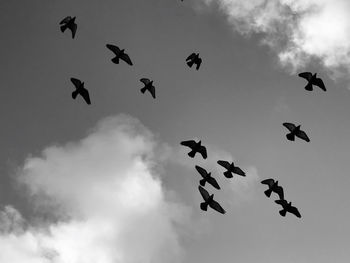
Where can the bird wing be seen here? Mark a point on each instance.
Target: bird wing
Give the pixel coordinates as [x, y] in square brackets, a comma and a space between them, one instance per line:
[85, 94]
[65, 20]
[203, 192]
[126, 58]
[305, 75]
[199, 62]
[203, 152]
[202, 171]
[190, 57]
[216, 206]
[319, 83]
[213, 182]
[269, 182]
[74, 29]
[152, 90]
[302, 135]
[76, 82]
[238, 171]
[294, 211]
[289, 126]
[224, 164]
[113, 48]
[280, 192]
[145, 81]
[281, 202]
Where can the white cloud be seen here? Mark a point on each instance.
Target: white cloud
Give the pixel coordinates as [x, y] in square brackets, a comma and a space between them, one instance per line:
[109, 203]
[300, 31]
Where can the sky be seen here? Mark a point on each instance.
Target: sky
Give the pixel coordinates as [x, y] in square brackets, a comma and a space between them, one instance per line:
[110, 183]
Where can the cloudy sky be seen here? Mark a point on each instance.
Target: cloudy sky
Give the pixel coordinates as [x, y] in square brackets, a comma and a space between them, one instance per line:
[109, 182]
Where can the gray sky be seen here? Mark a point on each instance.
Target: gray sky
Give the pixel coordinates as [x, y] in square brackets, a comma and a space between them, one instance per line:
[236, 104]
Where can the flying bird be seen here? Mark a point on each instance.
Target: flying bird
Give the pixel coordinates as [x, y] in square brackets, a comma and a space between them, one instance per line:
[295, 131]
[79, 86]
[195, 147]
[207, 178]
[194, 59]
[231, 168]
[273, 187]
[119, 54]
[69, 22]
[148, 86]
[209, 200]
[312, 79]
[287, 207]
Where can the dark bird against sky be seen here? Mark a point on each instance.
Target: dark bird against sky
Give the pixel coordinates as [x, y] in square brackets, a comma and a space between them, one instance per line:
[312, 80]
[119, 54]
[195, 147]
[194, 59]
[287, 207]
[231, 168]
[206, 177]
[273, 187]
[148, 86]
[69, 22]
[80, 90]
[209, 200]
[295, 131]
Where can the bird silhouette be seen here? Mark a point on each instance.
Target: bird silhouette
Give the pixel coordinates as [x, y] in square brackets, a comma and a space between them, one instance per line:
[69, 22]
[119, 54]
[207, 178]
[195, 147]
[79, 86]
[194, 59]
[231, 168]
[273, 187]
[312, 79]
[287, 207]
[209, 200]
[148, 86]
[295, 131]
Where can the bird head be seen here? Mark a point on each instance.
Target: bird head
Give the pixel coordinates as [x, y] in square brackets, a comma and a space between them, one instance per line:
[211, 197]
[276, 182]
[298, 127]
[151, 82]
[73, 18]
[209, 174]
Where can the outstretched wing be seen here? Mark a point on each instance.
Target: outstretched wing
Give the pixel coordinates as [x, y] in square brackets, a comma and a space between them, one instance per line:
[145, 81]
[73, 28]
[199, 62]
[269, 182]
[217, 207]
[202, 171]
[126, 58]
[280, 192]
[224, 164]
[113, 48]
[294, 211]
[302, 135]
[203, 192]
[76, 82]
[65, 20]
[190, 57]
[203, 152]
[152, 90]
[289, 126]
[85, 94]
[319, 83]
[281, 202]
[305, 75]
[213, 182]
[238, 171]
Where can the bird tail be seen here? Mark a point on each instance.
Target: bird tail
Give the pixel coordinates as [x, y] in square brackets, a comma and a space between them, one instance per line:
[228, 174]
[204, 206]
[115, 60]
[202, 182]
[75, 94]
[192, 154]
[283, 212]
[143, 90]
[290, 136]
[268, 192]
[63, 28]
[308, 86]
[190, 63]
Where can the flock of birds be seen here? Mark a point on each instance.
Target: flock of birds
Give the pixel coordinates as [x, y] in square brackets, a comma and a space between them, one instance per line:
[197, 147]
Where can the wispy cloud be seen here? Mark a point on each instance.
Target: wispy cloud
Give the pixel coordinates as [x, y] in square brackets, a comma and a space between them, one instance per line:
[108, 201]
[299, 31]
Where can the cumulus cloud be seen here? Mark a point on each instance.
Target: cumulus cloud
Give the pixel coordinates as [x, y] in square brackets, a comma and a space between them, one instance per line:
[300, 31]
[107, 200]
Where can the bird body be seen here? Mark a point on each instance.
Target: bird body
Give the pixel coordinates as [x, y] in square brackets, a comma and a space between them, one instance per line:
[148, 86]
[119, 54]
[194, 59]
[231, 168]
[209, 201]
[207, 178]
[69, 22]
[196, 147]
[312, 79]
[273, 187]
[295, 131]
[79, 89]
[287, 207]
